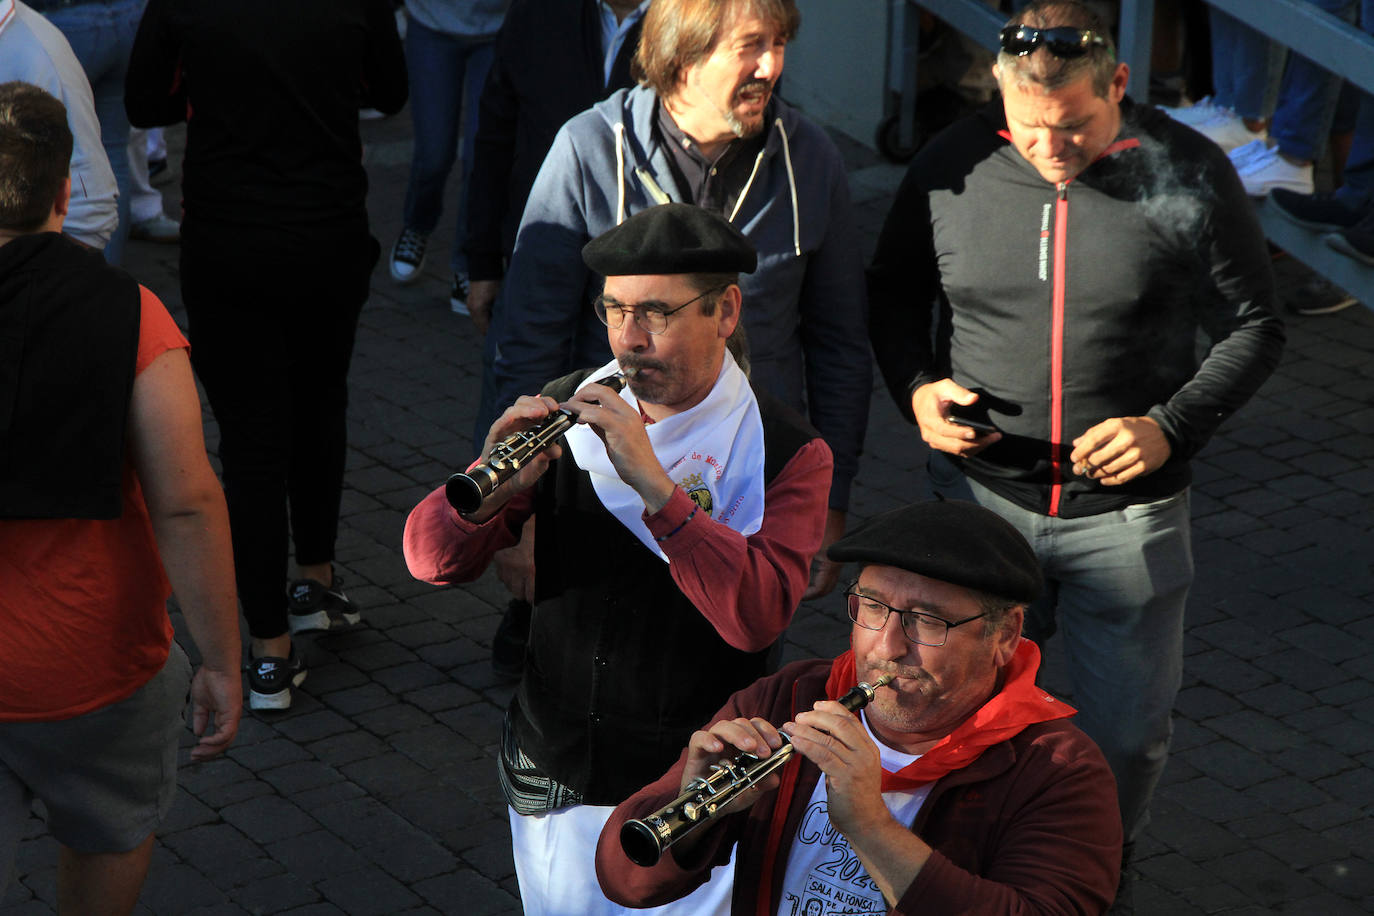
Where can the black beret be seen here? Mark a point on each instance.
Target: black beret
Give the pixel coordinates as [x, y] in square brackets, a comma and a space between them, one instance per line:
[671, 238]
[953, 541]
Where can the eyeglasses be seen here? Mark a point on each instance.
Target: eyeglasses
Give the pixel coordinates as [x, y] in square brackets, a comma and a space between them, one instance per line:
[1063, 41]
[651, 316]
[921, 628]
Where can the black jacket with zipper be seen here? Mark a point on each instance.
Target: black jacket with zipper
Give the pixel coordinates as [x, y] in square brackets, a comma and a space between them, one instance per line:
[1066, 305]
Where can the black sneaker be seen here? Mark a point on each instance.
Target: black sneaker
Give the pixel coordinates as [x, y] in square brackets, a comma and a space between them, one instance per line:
[1324, 211]
[458, 294]
[270, 680]
[1319, 296]
[408, 256]
[508, 645]
[311, 606]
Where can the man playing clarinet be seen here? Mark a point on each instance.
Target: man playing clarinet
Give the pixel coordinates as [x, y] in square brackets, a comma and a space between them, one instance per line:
[677, 523]
[961, 788]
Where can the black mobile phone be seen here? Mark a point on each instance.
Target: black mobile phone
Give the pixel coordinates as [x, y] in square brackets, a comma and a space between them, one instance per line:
[975, 416]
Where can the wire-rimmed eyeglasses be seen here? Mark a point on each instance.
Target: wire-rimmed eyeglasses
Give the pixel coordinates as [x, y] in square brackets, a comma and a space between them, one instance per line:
[651, 315]
[921, 628]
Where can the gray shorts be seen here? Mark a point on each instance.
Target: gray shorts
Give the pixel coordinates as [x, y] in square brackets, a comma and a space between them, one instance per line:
[106, 778]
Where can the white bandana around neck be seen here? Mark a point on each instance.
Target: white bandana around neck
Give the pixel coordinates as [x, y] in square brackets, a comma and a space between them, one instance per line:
[7, 13]
[714, 451]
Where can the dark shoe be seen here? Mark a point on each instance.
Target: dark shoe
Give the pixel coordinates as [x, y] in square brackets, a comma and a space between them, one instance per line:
[156, 167]
[408, 256]
[508, 645]
[270, 680]
[1319, 296]
[1358, 243]
[312, 606]
[458, 295]
[1324, 211]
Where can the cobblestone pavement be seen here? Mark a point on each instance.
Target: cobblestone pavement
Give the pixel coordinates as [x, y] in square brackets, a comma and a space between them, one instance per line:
[376, 793]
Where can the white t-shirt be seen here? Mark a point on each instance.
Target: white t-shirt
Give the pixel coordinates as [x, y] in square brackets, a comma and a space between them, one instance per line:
[824, 876]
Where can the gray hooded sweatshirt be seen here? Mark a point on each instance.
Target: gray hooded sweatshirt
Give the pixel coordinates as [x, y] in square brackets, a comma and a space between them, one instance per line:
[805, 307]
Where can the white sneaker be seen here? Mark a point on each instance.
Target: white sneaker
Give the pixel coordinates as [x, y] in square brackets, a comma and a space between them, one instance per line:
[1264, 173]
[408, 256]
[1192, 115]
[1241, 155]
[1227, 130]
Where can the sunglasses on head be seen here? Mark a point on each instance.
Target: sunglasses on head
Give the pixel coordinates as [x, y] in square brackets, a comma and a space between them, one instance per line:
[1063, 41]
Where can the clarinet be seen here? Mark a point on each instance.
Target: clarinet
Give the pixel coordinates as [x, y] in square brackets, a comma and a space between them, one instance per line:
[467, 490]
[645, 839]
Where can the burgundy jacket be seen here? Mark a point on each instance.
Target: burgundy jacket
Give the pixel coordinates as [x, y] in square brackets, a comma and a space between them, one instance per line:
[1031, 826]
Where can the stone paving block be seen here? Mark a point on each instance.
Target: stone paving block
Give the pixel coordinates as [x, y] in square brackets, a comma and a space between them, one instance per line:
[410, 677]
[211, 843]
[1352, 691]
[319, 724]
[438, 697]
[220, 771]
[1328, 605]
[413, 859]
[276, 894]
[269, 819]
[387, 616]
[1301, 670]
[268, 754]
[355, 700]
[1289, 795]
[178, 889]
[1233, 765]
[1251, 729]
[1345, 734]
[336, 675]
[1209, 798]
[315, 856]
[1313, 761]
[1269, 880]
[387, 775]
[1227, 673]
[301, 776]
[346, 748]
[232, 793]
[1278, 699]
[1332, 814]
[1350, 877]
[1274, 541]
[1229, 523]
[1355, 786]
[1238, 637]
[367, 892]
[471, 893]
[1324, 641]
[378, 655]
[398, 717]
[421, 633]
[436, 747]
[187, 811]
[473, 722]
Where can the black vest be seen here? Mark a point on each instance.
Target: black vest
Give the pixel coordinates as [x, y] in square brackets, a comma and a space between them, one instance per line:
[621, 667]
[69, 328]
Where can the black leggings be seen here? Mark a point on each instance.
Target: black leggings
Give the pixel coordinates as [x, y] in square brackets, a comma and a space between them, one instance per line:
[271, 343]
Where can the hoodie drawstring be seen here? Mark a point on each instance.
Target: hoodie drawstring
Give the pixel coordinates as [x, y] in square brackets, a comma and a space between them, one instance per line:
[619, 129]
[792, 186]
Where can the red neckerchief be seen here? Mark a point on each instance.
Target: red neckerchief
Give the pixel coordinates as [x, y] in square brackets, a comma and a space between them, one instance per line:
[1016, 706]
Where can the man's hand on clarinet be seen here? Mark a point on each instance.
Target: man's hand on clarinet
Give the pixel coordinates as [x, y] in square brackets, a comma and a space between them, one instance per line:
[627, 443]
[725, 740]
[526, 412]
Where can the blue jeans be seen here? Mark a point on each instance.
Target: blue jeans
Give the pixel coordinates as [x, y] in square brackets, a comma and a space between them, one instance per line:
[1242, 61]
[447, 73]
[1308, 94]
[102, 37]
[1116, 584]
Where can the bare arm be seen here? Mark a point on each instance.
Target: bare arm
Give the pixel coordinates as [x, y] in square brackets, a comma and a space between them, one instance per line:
[191, 524]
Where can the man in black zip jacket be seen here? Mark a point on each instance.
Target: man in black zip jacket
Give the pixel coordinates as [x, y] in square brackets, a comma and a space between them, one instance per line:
[1044, 270]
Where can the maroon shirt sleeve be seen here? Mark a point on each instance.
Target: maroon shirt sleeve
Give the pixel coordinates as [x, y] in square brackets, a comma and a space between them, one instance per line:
[749, 587]
[441, 547]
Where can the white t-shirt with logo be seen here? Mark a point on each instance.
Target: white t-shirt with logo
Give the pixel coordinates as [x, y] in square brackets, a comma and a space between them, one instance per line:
[824, 876]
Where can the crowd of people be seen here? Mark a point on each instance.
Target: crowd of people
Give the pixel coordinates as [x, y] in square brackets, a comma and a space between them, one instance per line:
[643, 220]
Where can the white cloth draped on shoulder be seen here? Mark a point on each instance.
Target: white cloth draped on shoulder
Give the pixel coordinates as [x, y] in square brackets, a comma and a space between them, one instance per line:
[713, 450]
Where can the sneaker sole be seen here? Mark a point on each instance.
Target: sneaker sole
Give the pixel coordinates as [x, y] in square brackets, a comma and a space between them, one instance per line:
[320, 620]
[279, 700]
[414, 276]
[1337, 306]
[1337, 241]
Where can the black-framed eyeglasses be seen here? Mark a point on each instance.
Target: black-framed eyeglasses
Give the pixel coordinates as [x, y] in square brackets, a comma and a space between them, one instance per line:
[921, 628]
[651, 315]
[1063, 41]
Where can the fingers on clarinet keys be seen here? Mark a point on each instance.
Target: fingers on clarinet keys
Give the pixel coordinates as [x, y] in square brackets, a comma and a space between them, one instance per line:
[706, 797]
[466, 491]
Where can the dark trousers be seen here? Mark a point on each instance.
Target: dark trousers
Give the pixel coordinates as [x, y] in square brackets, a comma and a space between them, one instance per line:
[271, 343]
